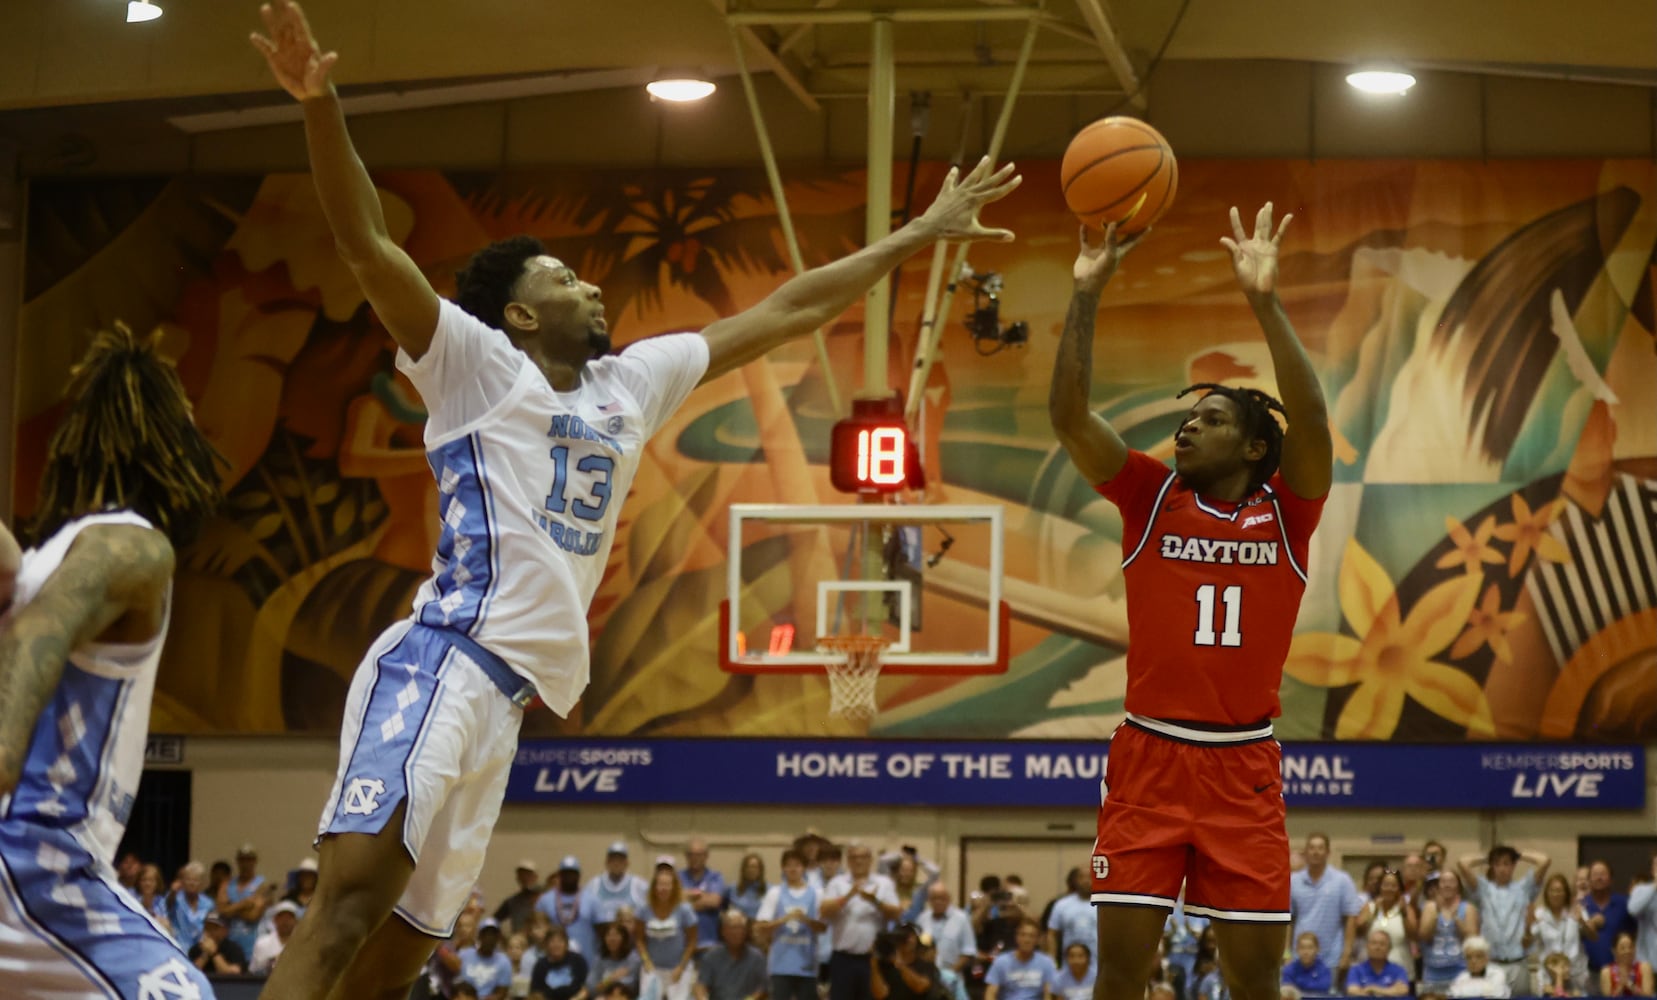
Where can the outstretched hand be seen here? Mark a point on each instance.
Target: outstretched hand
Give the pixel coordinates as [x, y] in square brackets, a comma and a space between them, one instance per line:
[953, 215]
[297, 62]
[1097, 260]
[1254, 258]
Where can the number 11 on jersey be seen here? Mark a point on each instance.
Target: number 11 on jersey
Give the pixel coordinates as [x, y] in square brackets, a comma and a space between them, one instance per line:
[1232, 598]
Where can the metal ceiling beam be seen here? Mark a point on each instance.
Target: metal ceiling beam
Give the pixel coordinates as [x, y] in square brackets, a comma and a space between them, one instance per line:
[918, 15]
[1098, 21]
[769, 58]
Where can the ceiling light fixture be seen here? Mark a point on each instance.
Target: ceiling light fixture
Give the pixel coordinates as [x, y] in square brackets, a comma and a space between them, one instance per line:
[680, 89]
[1381, 81]
[142, 10]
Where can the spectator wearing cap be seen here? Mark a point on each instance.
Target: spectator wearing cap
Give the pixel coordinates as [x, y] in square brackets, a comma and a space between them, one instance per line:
[1023, 973]
[562, 903]
[485, 965]
[1504, 900]
[513, 913]
[667, 933]
[217, 953]
[857, 904]
[242, 900]
[304, 884]
[561, 974]
[283, 917]
[188, 905]
[789, 920]
[949, 927]
[736, 971]
[704, 891]
[612, 889]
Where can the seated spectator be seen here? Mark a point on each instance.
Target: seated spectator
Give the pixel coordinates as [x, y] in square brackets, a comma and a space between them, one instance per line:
[617, 963]
[1022, 973]
[1555, 978]
[189, 904]
[1167, 971]
[444, 966]
[283, 917]
[485, 966]
[128, 869]
[953, 985]
[150, 895]
[304, 884]
[1378, 975]
[1075, 980]
[561, 974]
[519, 954]
[1288, 992]
[1625, 975]
[1480, 978]
[896, 970]
[1182, 930]
[1309, 972]
[736, 971]
[216, 954]
[513, 913]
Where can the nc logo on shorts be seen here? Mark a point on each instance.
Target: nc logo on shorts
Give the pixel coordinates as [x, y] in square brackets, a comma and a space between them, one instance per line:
[363, 796]
[168, 981]
[1101, 867]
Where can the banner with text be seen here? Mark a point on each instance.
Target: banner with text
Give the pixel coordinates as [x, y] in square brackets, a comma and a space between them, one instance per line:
[843, 772]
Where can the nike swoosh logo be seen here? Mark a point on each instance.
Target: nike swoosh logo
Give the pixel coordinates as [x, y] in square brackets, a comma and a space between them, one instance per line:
[1260, 788]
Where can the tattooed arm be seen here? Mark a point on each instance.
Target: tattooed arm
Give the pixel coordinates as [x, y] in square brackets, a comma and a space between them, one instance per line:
[112, 584]
[1094, 446]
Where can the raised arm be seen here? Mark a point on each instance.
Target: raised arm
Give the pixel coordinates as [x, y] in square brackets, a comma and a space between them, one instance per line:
[1308, 449]
[1539, 863]
[1092, 443]
[1468, 867]
[808, 301]
[113, 574]
[394, 286]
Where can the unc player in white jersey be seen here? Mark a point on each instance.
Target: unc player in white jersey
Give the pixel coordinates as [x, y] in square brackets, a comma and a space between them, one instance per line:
[534, 436]
[83, 616]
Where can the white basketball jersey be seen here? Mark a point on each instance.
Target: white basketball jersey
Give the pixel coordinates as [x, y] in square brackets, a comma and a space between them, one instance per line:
[87, 751]
[530, 481]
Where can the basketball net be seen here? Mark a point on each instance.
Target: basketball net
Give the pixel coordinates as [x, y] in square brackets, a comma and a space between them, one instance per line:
[852, 680]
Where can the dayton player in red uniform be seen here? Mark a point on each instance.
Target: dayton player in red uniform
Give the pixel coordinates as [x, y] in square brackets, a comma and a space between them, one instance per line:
[1214, 556]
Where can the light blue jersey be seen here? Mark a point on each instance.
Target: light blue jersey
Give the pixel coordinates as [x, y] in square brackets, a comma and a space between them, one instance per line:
[67, 928]
[794, 944]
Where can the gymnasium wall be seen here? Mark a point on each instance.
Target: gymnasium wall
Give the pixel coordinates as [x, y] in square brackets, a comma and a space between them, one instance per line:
[1484, 566]
[270, 791]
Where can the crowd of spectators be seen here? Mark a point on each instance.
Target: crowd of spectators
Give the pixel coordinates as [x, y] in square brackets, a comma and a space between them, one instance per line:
[840, 923]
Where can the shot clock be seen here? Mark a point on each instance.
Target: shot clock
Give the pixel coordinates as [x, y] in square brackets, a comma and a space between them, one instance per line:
[870, 451]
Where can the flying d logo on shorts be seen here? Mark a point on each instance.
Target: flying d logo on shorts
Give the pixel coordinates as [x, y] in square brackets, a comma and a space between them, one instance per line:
[1101, 867]
[363, 796]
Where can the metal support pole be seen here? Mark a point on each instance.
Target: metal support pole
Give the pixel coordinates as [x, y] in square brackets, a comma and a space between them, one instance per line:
[934, 319]
[785, 219]
[877, 218]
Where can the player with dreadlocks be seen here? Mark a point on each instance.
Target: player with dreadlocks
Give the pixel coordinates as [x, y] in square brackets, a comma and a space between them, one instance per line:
[128, 476]
[1214, 563]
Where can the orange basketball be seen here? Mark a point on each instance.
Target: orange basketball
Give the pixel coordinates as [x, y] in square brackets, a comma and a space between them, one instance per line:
[1116, 167]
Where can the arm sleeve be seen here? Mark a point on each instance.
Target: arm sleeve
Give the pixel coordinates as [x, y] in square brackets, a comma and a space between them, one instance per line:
[1640, 897]
[887, 892]
[1354, 902]
[660, 372]
[1133, 490]
[469, 369]
[998, 972]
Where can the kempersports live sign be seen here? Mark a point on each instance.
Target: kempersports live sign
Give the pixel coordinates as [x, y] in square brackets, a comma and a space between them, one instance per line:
[881, 772]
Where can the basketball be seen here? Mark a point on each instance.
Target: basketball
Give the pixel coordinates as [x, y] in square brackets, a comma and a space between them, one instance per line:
[1115, 166]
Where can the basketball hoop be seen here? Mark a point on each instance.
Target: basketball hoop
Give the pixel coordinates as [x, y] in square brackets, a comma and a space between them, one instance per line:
[852, 680]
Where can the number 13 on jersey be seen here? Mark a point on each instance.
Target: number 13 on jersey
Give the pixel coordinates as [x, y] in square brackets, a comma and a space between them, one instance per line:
[1231, 598]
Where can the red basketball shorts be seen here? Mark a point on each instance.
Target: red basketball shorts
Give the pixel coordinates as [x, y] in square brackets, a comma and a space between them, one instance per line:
[1205, 808]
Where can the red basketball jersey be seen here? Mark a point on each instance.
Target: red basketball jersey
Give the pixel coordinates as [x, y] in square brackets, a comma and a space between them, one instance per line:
[1213, 590]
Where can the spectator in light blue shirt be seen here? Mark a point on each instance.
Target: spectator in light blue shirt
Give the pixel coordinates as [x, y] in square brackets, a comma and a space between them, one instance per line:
[188, 905]
[704, 891]
[486, 966]
[1073, 919]
[1324, 902]
[750, 887]
[1023, 973]
[1504, 902]
[949, 927]
[1642, 906]
[1075, 980]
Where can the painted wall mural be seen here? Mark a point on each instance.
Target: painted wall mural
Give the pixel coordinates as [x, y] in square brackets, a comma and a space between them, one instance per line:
[1486, 565]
